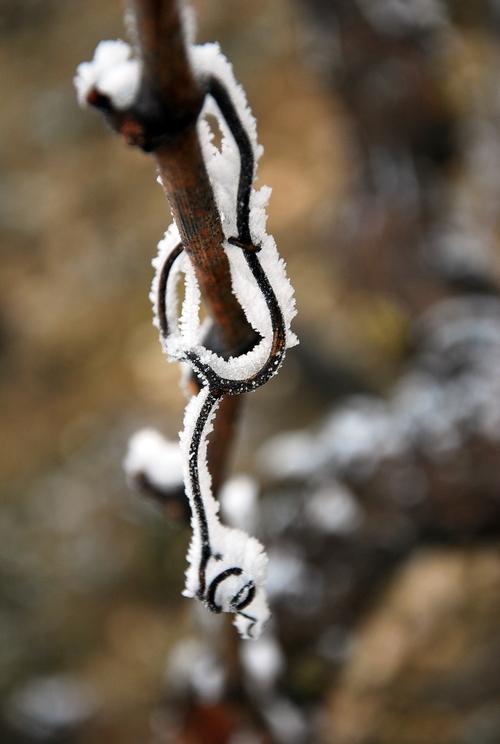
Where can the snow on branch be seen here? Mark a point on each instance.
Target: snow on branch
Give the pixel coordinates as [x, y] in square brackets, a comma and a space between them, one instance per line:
[227, 567]
[112, 73]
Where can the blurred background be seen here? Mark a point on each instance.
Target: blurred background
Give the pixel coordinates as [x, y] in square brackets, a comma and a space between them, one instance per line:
[370, 467]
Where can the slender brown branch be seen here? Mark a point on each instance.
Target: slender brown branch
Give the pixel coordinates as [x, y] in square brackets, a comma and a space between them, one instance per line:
[222, 437]
[166, 72]
[191, 200]
[163, 121]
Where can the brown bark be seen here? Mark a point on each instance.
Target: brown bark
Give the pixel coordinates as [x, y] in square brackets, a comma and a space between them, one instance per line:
[163, 121]
[167, 109]
[191, 200]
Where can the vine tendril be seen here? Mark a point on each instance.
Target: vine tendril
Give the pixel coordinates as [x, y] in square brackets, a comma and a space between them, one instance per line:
[216, 386]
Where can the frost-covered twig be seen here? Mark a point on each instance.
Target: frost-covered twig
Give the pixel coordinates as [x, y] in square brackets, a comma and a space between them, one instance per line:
[153, 100]
[227, 567]
[154, 103]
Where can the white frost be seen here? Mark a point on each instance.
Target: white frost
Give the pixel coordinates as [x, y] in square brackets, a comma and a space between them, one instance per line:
[229, 546]
[223, 166]
[156, 457]
[113, 73]
[234, 546]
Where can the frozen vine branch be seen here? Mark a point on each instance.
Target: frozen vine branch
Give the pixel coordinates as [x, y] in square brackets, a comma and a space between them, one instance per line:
[227, 567]
[154, 101]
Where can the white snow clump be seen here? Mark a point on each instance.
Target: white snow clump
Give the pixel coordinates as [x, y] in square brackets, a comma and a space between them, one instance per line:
[112, 73]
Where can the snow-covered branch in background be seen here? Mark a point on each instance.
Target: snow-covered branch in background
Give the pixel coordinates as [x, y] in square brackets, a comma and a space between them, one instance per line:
[227, 567]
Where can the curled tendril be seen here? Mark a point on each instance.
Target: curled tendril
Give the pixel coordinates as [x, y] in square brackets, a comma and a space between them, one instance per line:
[218, 386]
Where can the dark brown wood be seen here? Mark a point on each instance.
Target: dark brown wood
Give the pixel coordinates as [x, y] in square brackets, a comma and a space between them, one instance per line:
[160, 38]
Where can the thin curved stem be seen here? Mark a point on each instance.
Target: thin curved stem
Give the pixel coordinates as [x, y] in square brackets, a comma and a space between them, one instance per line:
[197, 497]
[162, 288]
[218, 91]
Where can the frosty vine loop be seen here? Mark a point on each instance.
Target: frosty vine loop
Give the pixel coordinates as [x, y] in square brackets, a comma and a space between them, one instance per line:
[220, 385]
[226, 567]
[244, 591]
[218, 91]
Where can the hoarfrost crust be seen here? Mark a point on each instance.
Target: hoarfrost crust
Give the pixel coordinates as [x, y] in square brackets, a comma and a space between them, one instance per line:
[232, 573]
[226, 567]
[112, 72]
[230, 547]
[149, 453]
[223, 166]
